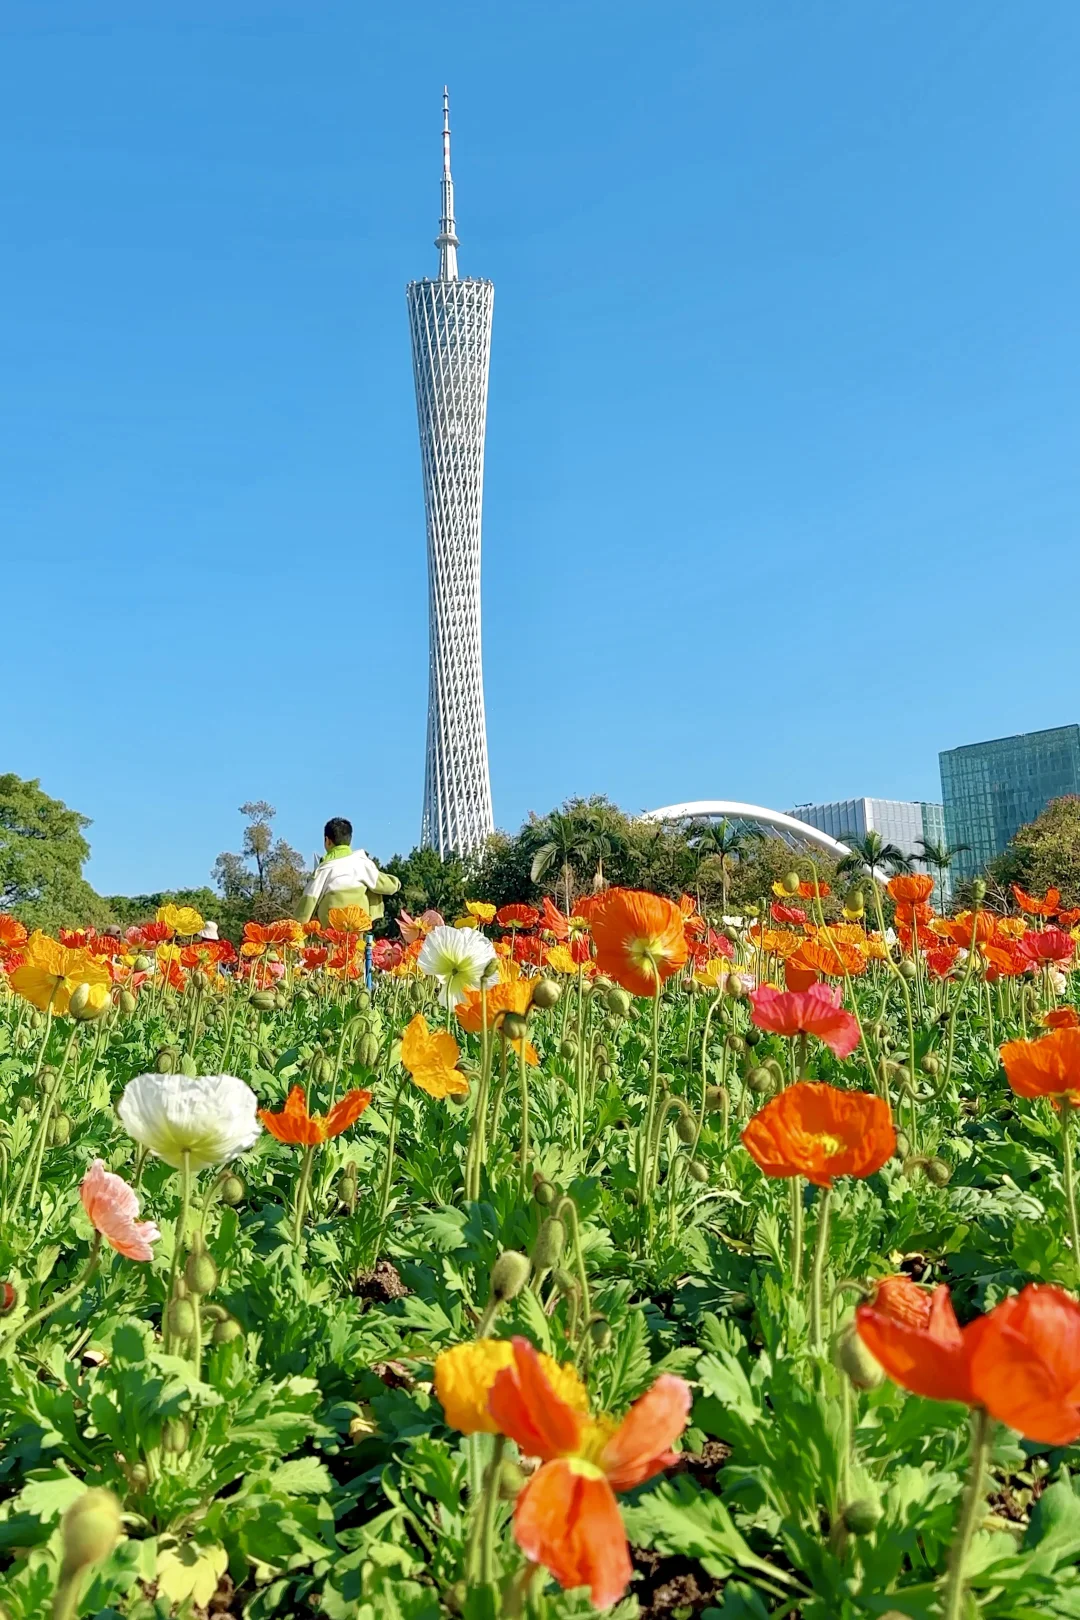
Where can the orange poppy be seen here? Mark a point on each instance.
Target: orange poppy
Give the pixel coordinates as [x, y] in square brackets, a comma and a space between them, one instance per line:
[820, 955]
[512, 996]
[1046, 907]
[777, 942]
[911, 887]
[639, 939]
[1048, 1067]
[797, 977]
[911, 913]
[1062, 1018]
[295, 1124]
[818, 1131]
[12, 933]
[566, 1518]
[1069, 919]
[968, 925]
[349, 919]
[928, 1354]
[901, 1300]
[1025, 1364]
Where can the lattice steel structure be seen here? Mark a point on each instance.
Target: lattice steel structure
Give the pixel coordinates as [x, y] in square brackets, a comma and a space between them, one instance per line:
[450, 327]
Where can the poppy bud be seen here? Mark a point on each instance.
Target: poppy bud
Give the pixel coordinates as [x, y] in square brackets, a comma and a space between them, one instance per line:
[908, 970]
[509, 1274]
[174, 1436]
[128, 1003]
[862, 1516]
[142, 964]
[698, 1171]
[26, 1105]
[322, 1071]
[232, 1189]
[511, 1480]
[753, 1035]
[852, 1357]
[166, 1061]
[200, 1272]
[36, 1019]
[514, 1027]
[9, 1297]
[790, 883]
[363, 1001]
[686, 1128]
[715, 1097]
[228, 1331]
[266, 1058]
[543, 1191]
[568, 1049]
[618, 1002]
[856, 902]
[903, 1145]
[79, 1000]
[602, 982]
[549, 1245]
[89, 1530]
[930, 1063]
[564, 1281]
[761, 1081]
[182, 1318]
[263, 1001]
[367, 1051]
[546, 993]
[60, 1131]
[734, 987]
[938, 1172]
[138, 1477]
[736, 1044]
[978, 891]
[188, 1067]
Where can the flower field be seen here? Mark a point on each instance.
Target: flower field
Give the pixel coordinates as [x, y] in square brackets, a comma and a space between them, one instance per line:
[630, 1259]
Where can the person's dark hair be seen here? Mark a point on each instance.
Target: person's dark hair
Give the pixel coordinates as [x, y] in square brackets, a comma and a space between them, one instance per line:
[338, 830]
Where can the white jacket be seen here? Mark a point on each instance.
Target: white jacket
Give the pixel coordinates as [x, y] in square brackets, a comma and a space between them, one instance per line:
[354, 871]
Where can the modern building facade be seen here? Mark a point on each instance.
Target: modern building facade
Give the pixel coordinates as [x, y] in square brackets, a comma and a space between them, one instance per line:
[450, 329]
[992, 789]
[903, 822]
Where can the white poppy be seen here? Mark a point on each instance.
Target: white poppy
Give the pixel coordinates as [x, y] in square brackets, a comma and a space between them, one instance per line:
[212, 1117]
[460, 958]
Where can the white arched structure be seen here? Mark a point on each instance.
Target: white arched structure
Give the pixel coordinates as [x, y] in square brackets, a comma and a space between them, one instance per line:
[789, 829]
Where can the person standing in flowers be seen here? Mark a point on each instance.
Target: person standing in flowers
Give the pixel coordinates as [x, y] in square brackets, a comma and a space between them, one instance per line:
[346, 877]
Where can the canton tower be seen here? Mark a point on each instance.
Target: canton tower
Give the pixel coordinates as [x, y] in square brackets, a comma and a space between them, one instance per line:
[450, 328]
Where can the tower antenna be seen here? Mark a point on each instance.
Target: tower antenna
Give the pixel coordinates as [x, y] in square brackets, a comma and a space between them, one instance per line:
[447, 240]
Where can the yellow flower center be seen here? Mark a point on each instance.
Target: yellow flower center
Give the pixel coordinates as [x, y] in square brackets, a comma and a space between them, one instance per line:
[594, 1437]
[829, 1145]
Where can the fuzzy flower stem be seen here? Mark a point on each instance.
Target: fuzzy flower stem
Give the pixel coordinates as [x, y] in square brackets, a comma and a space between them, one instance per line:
[61, 1299]
[982, 1427]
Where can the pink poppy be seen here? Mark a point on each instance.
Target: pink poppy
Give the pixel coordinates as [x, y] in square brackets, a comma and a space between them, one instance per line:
[816, 1011]
[112, 1206]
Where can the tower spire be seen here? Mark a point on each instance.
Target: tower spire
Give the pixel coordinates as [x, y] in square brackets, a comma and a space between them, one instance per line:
[447, 241]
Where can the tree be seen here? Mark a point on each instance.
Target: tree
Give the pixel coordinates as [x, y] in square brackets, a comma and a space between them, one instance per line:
[575, 842]
[725, 843]
[872, 853]
[265, 881]
[939, 857]
[42, 850]
[429, 881]
[136, 908]
[1044, 854]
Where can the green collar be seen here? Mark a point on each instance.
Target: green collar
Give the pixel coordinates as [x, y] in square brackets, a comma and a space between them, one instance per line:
[337, 852]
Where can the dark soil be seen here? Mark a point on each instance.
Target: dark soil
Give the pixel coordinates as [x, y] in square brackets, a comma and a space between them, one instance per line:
[381, 1284]
[678, 1588]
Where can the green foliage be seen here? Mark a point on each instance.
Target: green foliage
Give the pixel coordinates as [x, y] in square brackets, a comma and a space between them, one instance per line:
[136, 908]
[265, 880]
[1045, 854]
[42, 851]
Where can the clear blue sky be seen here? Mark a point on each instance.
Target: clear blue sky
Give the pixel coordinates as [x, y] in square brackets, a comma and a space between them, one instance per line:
[783, 475]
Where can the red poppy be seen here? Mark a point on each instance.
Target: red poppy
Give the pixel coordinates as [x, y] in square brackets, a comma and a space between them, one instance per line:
[1047, 945]
[567, 1518]
[1046, 907]
[1025, 1365]
[295, 1124]
[387, 954]
[517, 916]
[816, 1011]
[787, 914]
[929, 1355]
[720, 945]
[314, 956]
[797, 976]
[1048, 1067]
[1069, 919]
[1062, 1018]
[909, 913]
[941, 959]
[819, 1131]
[901, 1300]
[639, 939]
[151, 933]
[528, 948]
[911, 888]
[12, 933]
[75, 939]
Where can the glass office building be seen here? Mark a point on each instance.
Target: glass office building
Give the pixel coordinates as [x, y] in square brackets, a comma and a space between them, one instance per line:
[992, 789]
[903, 822]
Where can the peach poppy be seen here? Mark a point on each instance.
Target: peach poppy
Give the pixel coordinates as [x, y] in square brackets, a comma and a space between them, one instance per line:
[387, 954]
[1025, 1364]
[913, 888]
[816, 1011]
[639, 939]
[418, 928]
[818, 1131]
[295, 1124]
[1048, 1067]
[927, 1354]
[431, 1058]
[113, 1206]
[1047, 906]
[566, 1518]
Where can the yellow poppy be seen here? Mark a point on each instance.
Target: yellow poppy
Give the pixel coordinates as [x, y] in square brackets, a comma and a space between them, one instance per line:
[465, 1374]
[431, 1059]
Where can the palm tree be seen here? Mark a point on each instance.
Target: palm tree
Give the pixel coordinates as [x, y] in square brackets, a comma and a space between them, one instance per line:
[940, 857]
[729, 843]
[870, 852]
[560, 848]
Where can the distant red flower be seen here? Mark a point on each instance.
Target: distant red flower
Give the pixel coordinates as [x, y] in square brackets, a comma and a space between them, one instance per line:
[1046, 907]
[787, 914]
[720, 945]
[1069, 919]
[816, 1011]
[1062, 1018]
[528, 948]
[387, 954]
[314, 956]
[941, 958]
[75, 939]
[517, 916]
[1047, 945]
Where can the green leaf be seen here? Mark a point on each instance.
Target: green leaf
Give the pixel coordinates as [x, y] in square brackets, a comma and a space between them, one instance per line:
[631, 1362]
[679, 1519]
[190, 1571]
[1055, 1523]
[302, 1476]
